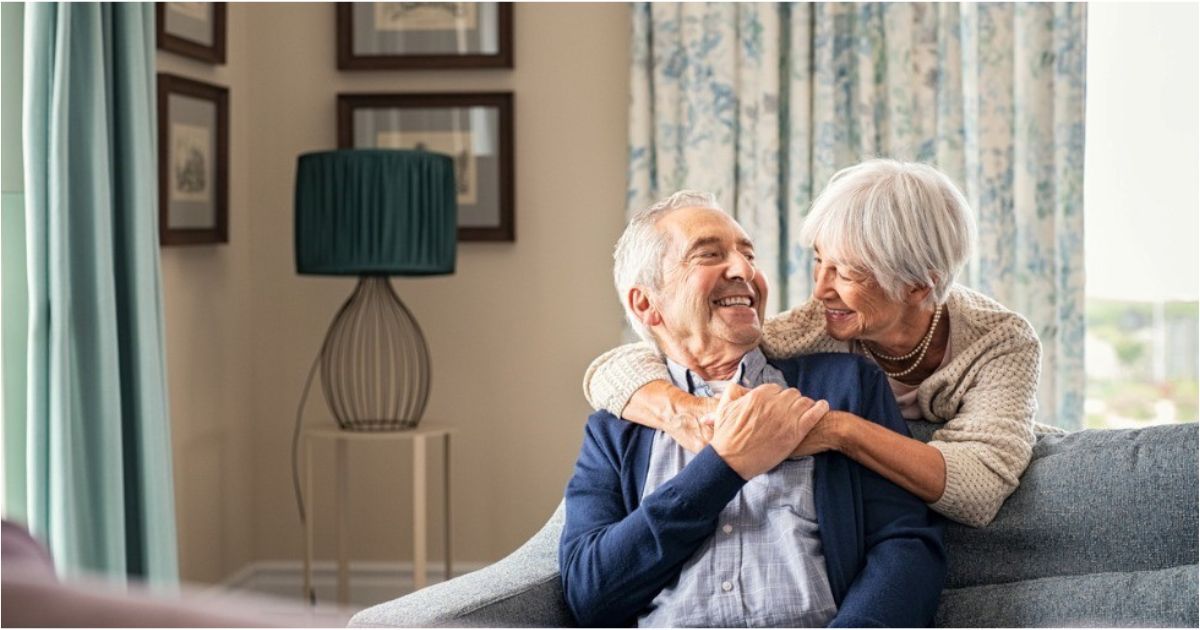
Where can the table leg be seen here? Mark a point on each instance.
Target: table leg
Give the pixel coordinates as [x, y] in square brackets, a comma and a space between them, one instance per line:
[343, 490]
[309, 514]
[419, 520]
[446, 512]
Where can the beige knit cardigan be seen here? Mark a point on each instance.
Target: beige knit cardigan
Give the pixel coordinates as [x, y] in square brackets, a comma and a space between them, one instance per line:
[985, 397]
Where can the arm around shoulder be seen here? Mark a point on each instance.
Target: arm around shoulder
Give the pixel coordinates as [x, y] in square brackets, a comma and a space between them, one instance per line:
[614, 376]
[798, 331]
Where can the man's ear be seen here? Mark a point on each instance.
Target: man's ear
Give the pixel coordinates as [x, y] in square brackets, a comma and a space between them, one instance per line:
[643, 308]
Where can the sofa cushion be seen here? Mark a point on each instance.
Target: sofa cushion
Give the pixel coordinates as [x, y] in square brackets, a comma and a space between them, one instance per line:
[1090, 502]
[1166, 597]
[522, 590]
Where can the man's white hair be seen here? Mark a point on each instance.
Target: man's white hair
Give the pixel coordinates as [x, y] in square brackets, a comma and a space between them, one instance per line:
[904, 223]
[638, 257]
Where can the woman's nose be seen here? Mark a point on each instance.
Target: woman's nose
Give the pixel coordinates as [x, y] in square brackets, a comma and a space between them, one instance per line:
[821, 282]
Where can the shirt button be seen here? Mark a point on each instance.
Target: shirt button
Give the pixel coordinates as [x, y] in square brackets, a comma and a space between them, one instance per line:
[727, 529]
[726, 586]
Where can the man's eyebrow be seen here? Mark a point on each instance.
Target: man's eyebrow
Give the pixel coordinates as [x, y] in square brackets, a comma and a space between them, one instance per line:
[713, 240]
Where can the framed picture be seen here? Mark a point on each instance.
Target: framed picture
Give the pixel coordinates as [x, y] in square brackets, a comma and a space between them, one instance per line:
[193, 162]
[416, 35]
[475, 129]
[192, 29]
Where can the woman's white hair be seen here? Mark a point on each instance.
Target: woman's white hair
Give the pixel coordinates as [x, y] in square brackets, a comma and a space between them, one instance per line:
[638, 257]
[904, 223]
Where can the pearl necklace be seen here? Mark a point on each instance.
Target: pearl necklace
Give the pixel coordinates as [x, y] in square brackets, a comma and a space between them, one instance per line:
[921, 348]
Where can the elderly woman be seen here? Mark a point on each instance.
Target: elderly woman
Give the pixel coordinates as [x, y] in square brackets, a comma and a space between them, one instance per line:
[889, 238]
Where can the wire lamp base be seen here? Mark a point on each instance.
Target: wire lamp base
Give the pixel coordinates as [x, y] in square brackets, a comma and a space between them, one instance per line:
[375, 362]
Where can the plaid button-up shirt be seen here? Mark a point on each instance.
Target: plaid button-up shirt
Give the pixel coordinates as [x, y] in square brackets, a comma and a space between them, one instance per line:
[764, 565]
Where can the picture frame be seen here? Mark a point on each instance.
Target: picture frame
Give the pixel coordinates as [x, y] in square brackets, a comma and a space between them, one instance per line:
[422, 36]
[191, 29]
[476, 129]
[193, 161]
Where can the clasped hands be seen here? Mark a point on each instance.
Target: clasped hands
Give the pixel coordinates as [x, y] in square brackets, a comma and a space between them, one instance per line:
[754, 430]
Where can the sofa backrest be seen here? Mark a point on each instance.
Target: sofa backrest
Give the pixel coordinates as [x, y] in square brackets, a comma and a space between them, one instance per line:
[1090, 502]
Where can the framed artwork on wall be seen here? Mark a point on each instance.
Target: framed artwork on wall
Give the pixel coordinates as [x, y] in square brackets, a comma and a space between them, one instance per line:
[424, 35]
[476, 129]
[192, 29]
[193, 161]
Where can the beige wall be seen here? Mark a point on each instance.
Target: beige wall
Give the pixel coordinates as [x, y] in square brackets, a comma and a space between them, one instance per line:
[208, 312]
[510, 332]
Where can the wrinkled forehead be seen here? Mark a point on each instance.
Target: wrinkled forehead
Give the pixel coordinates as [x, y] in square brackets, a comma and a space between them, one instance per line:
[688, 227]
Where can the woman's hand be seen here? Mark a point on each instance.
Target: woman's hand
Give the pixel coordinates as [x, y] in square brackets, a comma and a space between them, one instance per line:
[691, 423]
[825, 435]
[686, 418]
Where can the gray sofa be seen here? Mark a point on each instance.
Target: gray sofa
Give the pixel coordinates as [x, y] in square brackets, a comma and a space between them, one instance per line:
[1101, 532]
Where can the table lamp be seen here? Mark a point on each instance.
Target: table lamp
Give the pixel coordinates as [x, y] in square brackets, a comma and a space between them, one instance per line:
[375, 213]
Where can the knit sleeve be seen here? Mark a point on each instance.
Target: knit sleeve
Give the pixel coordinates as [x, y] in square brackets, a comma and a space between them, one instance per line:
[798, 331]
[988, 444]
[614, 376]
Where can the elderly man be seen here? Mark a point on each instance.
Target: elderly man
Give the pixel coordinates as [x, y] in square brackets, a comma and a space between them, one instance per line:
[741, 533]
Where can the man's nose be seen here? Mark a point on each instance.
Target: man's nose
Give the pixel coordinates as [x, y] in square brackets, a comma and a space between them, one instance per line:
[740, 267]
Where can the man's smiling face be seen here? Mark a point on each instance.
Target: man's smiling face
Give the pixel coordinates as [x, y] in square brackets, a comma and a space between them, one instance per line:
[712, 291]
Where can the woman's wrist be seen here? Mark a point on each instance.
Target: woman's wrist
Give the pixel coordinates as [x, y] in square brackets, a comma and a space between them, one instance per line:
[646, 406]
[686, 405]
[841, 431]
[660, 405]
[681, 417]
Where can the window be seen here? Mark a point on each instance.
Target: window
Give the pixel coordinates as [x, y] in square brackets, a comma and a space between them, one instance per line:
[1142, 214]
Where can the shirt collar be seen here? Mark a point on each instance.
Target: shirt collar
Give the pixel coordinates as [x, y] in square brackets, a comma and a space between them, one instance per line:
[749, 374]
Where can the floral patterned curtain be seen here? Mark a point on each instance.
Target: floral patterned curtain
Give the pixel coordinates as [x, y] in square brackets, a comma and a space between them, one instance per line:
[762, 103]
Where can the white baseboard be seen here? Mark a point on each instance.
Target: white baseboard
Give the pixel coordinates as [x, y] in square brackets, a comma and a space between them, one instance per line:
[370, 582]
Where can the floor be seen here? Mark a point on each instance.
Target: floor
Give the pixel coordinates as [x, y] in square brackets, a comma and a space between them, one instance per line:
[275, 591]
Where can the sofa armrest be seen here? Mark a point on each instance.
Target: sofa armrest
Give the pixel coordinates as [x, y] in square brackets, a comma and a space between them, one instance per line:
[523, 589]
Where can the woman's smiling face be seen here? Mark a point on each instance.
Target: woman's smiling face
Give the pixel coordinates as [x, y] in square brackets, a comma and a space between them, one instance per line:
[856, 307]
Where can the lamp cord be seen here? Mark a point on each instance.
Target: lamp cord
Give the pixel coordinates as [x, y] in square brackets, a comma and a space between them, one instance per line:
[296, 439]
[312, 594]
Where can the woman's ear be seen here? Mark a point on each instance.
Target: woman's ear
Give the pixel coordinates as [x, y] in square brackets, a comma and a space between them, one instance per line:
[643, 308]
[917, 294]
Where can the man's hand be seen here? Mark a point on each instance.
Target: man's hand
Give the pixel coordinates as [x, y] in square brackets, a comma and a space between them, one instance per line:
[757, 429]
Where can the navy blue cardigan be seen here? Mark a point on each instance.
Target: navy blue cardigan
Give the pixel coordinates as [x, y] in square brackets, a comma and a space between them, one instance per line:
[883, 546]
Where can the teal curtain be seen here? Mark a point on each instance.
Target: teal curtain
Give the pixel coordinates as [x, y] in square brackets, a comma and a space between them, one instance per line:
[15, 321]
[99, 480]
[762, 103]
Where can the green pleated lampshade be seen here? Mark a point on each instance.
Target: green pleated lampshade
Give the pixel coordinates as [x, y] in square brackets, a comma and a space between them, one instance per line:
[375, 211]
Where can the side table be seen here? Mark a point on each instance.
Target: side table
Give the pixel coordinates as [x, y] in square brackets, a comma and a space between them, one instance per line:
[420, 438]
